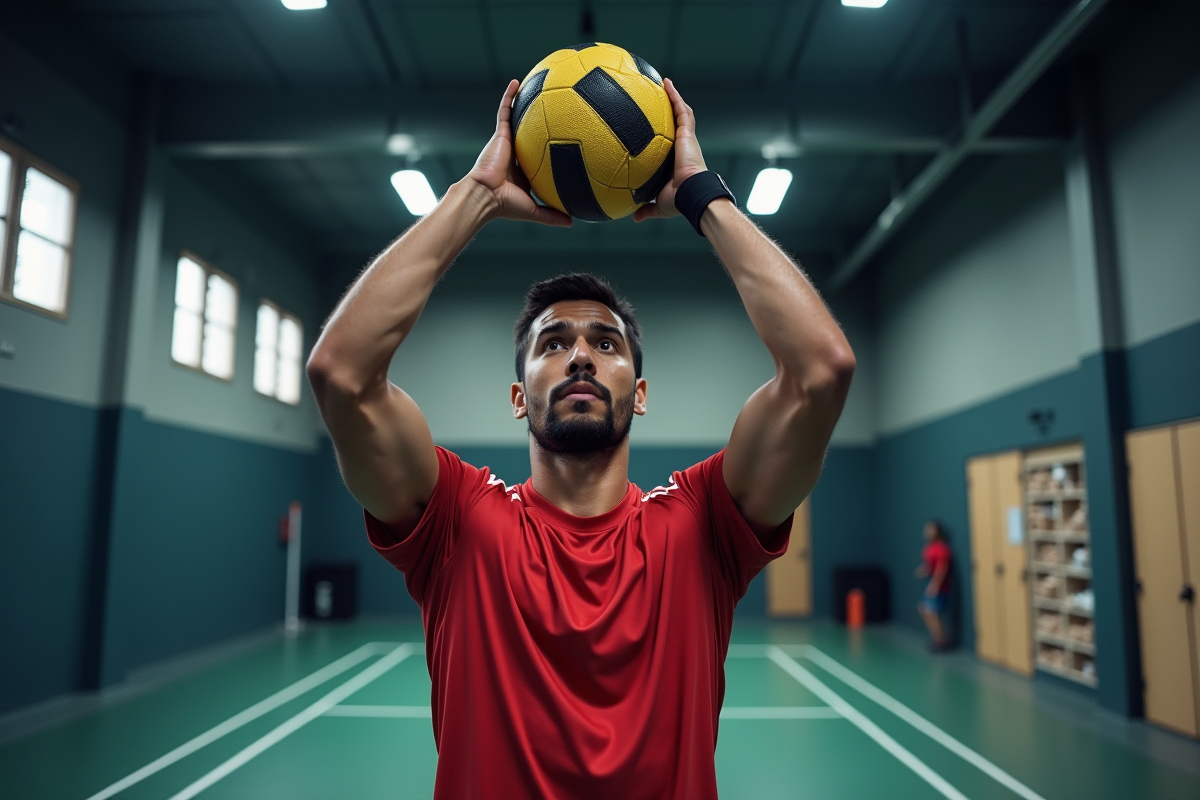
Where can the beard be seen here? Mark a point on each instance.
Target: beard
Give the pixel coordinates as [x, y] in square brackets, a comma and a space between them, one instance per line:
[580, 434]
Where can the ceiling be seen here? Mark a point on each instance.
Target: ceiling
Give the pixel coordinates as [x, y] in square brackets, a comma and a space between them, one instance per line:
[298, 105]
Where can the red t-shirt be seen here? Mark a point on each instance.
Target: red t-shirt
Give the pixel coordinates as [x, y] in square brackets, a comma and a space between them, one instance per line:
[937, 555]
[577, 657]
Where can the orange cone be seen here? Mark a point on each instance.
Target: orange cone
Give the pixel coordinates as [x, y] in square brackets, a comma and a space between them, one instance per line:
[856, 609]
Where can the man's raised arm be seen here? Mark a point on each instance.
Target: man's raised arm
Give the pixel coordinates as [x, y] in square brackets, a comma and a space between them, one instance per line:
[778, 443]
[383, 443]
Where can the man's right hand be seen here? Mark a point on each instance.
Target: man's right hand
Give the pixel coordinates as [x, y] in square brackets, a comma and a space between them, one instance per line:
[496, 170]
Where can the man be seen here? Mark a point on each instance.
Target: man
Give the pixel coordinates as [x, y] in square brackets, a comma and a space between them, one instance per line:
[576, 627]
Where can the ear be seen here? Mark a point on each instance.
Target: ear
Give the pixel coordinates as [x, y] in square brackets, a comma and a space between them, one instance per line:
[520, 410]
[639, 396]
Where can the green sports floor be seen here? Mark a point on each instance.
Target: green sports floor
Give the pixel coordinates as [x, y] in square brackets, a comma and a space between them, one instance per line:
[811, 711]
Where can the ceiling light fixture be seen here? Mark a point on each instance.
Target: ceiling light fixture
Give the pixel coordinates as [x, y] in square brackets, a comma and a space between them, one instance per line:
[303, 5]
[414, 189]
[769, 188]
[401, 144]
[864, 3]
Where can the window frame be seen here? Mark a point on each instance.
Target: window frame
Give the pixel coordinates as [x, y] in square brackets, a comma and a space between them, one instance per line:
[23, 160]
[209, 269]
[263, 301]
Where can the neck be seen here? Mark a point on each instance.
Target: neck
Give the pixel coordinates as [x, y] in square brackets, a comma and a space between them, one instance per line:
[581, 484]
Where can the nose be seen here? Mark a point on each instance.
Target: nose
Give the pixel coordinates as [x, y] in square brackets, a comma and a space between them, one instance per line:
[581, 359]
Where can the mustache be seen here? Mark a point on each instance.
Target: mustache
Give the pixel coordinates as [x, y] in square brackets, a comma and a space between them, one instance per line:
[560, 391]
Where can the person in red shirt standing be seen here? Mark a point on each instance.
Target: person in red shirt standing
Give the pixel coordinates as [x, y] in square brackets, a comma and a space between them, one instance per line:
[576, 625]
[935, 565]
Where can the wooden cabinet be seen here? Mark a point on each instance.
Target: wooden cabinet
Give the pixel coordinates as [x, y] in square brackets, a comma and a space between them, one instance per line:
[1164, 499]
[999, 561]
[789, 577]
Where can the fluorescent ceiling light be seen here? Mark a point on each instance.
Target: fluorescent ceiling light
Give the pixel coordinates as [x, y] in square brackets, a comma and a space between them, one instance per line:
[864, 3]
[415, 191]
[303, 5]
[769, 188]
[401, 144]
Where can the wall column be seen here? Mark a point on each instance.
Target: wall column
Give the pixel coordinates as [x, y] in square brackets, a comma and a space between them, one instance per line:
[1104, 403]
[129, 333]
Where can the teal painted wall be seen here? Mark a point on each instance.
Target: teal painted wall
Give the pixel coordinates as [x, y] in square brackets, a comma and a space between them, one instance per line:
[48, 454]
[1164, 380]
[194, 554]
[136, 527]
[844, 512]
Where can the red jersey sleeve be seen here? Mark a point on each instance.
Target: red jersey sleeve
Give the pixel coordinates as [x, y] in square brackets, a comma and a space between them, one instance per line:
[424, 551]
[739, 553]
[936, 555]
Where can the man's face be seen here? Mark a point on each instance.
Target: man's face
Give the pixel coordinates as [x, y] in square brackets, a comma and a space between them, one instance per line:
[580, 390]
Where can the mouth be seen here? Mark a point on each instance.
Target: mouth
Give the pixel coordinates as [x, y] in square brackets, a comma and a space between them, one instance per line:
[580, 391]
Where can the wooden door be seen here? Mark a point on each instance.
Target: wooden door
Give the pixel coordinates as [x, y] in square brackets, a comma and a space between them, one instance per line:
[789, 577]
[989, 628]
[1012, 558]
[1187, 442]
[1159, 564]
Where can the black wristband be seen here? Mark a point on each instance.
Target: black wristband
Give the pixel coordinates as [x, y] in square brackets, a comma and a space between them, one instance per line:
[697, 192]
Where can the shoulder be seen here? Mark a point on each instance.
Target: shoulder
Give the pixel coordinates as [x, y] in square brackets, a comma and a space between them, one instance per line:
[690, 488]
[471, 483]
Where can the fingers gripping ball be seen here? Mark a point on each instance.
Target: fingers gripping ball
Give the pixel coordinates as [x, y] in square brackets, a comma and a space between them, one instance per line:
[594, 131]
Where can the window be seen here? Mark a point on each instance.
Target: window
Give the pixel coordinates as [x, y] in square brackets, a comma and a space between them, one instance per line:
[205, 318]
[278, 347]
[36, 240]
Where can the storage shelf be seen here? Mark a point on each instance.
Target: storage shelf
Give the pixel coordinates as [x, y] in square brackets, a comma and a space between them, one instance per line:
[1066, 642]
[1062, 494]
[1066, 570]
[1069, 674]
[1064, 536]
[1052, 604]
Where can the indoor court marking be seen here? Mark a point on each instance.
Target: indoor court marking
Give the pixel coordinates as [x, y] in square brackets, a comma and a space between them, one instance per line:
[343, 711]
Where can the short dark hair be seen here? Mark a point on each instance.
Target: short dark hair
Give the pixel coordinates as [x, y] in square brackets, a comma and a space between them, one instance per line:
[575, 286]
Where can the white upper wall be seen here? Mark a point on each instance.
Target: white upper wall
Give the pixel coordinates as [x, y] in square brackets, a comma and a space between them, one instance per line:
[198, 222]
[980, 299]
[1155, 165]
[702, 360]
[56, 358]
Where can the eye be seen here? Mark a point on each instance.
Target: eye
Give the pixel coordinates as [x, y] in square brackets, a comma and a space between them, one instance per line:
[553, 344]
[607, 345]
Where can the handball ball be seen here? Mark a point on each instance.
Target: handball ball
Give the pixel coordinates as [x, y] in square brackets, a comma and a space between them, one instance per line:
[594, 131]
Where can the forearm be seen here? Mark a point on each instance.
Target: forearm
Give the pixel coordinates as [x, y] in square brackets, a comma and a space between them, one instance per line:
[805, 341]
[380, 309]
[939, 577]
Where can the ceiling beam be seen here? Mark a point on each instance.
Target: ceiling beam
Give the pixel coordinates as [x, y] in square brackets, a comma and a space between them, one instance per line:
[227, 123]
[976, 127]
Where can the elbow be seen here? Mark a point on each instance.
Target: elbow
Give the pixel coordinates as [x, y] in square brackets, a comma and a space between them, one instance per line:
[318, 368]
[832, 378]
[327, 379]
[842, 364]
[822, 382]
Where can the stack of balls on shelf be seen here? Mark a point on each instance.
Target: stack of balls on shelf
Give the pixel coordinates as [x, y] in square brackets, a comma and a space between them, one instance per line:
[594, 131]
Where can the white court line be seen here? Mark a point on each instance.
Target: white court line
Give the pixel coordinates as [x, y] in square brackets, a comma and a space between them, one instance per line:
[835, 701]
[779, 712]
[403, 712]
[252, 713]
[914, 719]
[297, 722]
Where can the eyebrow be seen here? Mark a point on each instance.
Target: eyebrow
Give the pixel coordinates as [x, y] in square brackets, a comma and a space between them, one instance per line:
[562, 325]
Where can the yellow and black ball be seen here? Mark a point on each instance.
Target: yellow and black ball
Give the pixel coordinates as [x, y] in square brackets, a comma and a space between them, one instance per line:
[594, 131]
